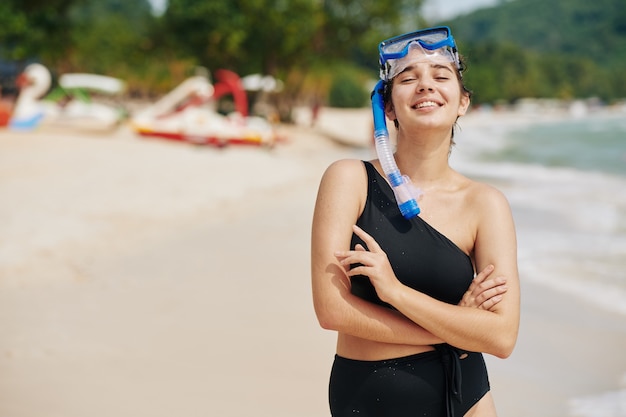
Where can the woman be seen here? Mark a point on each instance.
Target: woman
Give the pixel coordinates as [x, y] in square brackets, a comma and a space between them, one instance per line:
[410, 312]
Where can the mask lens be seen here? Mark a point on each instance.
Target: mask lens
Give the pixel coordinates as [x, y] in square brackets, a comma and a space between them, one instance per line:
[429, 39]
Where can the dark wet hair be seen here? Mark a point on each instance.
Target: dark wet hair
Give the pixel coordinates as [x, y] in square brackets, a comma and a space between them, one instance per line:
[464, 90]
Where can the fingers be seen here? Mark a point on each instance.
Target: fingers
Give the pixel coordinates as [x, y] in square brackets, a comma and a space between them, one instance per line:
[360, 254]
[485, 291]
[485, 287]
[491, 302]
[480, 278]
[489, 298]
[355, 264]
[349, 256]
[368, 256]
[482, 275]
[369, 241]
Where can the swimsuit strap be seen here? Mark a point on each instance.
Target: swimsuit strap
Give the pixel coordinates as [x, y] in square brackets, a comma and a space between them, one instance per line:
[450, 357]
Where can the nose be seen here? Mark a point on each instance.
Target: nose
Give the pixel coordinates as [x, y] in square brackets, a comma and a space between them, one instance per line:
[425, 84]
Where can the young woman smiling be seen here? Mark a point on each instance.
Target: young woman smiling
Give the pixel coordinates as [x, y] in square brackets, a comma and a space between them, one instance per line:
[415, 299]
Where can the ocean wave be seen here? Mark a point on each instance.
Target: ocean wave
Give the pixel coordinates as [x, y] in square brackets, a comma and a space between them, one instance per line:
[571, 220]
[606, 404]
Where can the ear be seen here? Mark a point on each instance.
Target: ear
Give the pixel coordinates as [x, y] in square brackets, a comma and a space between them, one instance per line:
[390, 111]
[464, 104]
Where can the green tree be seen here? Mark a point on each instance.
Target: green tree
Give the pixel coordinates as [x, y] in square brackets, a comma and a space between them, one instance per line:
[272, 35]
[534, 48]
[32, 29]
[109, 36]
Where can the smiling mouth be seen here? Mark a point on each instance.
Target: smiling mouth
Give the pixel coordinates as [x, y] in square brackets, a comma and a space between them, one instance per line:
[425, 104]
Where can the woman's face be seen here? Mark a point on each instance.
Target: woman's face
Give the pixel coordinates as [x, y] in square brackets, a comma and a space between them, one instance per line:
[427, 94]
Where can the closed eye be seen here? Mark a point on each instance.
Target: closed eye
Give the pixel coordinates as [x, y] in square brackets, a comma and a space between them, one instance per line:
[442, 72]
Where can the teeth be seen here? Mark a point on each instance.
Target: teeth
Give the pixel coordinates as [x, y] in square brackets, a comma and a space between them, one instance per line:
[426, 104]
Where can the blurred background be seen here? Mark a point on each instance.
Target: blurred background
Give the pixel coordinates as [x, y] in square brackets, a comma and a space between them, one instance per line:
[321, 50]
[154, 278]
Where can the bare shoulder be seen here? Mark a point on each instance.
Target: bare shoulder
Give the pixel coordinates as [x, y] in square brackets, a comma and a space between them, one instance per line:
[485, 198]
[345, 176]
[493, 225]
[343, 186]
[347, 170]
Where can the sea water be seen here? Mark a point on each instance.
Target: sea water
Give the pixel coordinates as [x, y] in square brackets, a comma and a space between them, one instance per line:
[566, 182]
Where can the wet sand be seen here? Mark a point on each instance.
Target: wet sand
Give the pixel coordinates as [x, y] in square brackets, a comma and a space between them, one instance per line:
[147, 277]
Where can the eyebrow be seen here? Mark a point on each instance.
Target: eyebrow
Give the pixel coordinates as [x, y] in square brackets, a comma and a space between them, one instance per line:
[434, 66]
[441, 66]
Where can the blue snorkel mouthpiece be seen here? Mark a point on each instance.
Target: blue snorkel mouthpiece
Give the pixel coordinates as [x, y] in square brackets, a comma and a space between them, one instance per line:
[406, 194]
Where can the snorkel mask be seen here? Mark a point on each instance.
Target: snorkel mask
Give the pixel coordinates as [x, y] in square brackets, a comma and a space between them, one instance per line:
[434, 44]
[395, 55]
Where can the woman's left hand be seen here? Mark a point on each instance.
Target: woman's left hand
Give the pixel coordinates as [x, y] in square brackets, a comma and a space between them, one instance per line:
[373, 263]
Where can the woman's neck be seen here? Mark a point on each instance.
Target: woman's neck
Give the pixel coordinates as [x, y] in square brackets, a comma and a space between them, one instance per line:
[424, 157]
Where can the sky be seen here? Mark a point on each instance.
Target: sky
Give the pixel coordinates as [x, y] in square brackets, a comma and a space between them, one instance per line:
[444, 9]
[158, 6]
[434, 9]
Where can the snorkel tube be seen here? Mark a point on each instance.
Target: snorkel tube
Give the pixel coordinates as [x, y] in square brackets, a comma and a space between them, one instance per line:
[406, 194]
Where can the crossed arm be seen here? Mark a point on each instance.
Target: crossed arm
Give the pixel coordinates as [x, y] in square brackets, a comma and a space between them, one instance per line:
[484, 320]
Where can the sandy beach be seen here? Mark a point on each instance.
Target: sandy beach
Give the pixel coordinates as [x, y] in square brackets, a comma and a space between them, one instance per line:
[143, 277]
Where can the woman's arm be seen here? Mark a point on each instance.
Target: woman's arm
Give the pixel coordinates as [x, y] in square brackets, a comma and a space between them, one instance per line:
[340, 201]
[492, 331]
